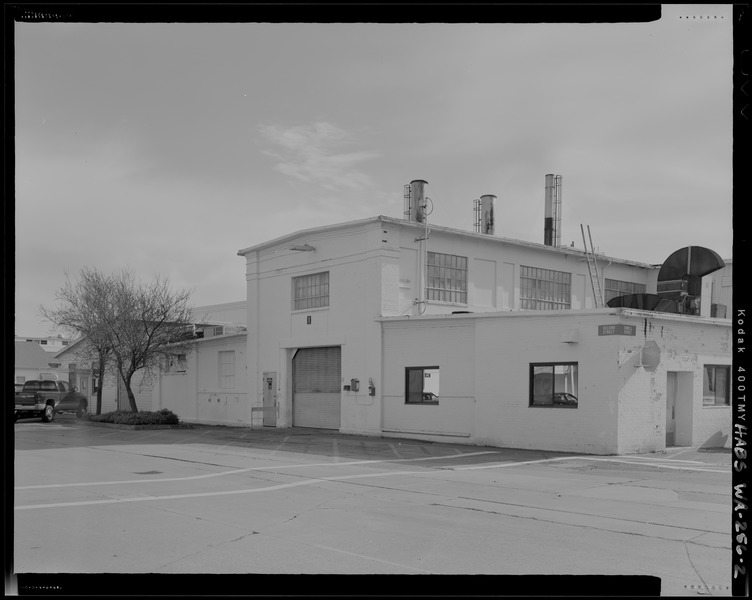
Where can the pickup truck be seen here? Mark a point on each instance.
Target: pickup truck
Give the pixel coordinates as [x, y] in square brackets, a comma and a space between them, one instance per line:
[44, 398]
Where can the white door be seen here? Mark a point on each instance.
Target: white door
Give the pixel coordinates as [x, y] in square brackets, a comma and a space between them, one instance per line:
[671, 409]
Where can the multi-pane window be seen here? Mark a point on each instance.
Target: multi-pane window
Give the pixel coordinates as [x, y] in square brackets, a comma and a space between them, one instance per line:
[715, 385]
[544, 289]
[615, 288]
[554, 384]
[227, 369]
[446, 278]
[311, 291]
[421, 385]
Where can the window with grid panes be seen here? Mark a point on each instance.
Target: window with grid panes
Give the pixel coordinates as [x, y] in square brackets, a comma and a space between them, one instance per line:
[615, 288]
[311, 291]
[446, 278]
[545, 289]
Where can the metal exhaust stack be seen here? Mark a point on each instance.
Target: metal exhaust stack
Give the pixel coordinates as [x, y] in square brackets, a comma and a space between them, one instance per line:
[487, 214]
[418, 200]
[552, 216]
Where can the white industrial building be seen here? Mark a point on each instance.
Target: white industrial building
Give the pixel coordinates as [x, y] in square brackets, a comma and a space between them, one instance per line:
[389, 326]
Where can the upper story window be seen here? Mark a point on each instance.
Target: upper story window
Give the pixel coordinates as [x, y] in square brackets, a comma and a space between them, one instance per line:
[310, 291]
[544, 289]
[615, 288]
[447, 278]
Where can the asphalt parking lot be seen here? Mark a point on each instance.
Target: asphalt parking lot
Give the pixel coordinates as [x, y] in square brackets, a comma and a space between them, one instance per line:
[304, 502]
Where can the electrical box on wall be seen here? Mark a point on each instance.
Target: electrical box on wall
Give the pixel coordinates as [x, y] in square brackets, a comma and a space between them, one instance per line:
[354, 385]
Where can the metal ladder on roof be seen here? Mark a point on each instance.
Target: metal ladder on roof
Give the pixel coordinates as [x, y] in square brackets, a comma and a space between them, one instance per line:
[592, 268]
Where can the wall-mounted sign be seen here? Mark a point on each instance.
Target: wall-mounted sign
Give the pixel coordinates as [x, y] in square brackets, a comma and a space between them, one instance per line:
[618, 329]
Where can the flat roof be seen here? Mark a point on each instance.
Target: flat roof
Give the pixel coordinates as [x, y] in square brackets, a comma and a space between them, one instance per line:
[587, 312]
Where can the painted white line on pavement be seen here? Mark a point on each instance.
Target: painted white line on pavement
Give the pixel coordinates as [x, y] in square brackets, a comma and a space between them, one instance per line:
[238, 471]
[313, 481]
[662, 458]
[271, 488]
[591, 458]
[386, 562]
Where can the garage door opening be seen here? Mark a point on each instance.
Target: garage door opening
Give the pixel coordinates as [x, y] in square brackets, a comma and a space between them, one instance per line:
[316, 397]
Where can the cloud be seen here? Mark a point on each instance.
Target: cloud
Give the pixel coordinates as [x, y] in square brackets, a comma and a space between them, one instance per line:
[312, 154]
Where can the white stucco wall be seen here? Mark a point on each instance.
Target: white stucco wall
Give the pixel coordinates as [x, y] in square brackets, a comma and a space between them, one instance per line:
[198, 395]
[622, 404]
[485, 380]
[374, 272]
[361, 262]
[686, 345]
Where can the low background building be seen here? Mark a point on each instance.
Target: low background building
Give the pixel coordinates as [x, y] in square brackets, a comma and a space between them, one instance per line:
[31, 361]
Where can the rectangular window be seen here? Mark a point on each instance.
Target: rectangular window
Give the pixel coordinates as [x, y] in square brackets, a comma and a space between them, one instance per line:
[421, 385]
[544, 289]
[310, 291]
[176, 363]
[715, 385]
[227, 369]
[446, 278]
[554, 384]
[615, 288]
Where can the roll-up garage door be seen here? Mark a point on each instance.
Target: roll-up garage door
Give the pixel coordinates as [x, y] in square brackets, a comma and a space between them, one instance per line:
[316, 387]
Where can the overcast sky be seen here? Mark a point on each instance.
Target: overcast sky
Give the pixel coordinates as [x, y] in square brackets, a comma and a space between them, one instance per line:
[169, 147]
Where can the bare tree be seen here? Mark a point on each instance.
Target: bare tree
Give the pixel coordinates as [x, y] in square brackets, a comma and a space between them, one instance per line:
[82, 311]
[128, 324]
[149, 322]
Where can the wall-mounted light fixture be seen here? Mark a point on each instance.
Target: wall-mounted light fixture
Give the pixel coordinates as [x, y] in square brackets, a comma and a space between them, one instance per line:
[303, 248]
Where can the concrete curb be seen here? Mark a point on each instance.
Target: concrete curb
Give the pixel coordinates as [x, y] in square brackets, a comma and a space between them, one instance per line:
[134, 427]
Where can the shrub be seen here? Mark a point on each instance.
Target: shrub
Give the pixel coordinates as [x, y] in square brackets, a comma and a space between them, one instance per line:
[142, 417]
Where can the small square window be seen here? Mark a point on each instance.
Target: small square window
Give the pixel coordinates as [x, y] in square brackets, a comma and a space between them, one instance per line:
[554, 385]
[421, 385]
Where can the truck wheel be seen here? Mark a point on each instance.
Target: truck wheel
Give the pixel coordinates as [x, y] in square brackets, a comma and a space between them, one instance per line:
[49, 413]
[81, 411]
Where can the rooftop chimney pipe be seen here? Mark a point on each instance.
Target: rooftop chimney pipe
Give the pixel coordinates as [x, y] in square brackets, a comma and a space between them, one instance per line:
[552, 216]
[487, 213]
[418, 200]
